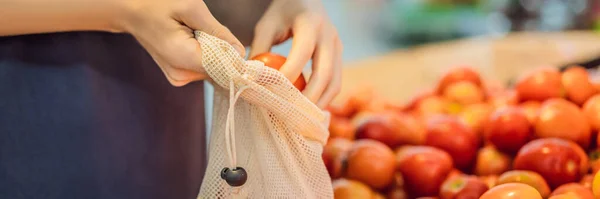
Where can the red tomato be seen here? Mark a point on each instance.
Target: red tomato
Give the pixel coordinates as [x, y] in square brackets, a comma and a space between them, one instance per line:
[275, 61]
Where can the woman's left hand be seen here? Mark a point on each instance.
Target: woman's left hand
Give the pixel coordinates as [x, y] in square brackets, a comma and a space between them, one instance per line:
[314, 37]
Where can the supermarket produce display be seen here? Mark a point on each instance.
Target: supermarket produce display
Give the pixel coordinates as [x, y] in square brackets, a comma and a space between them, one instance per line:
[470, 137]
[399, 74]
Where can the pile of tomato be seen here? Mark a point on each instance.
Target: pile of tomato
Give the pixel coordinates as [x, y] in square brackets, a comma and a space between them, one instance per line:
[469, 138]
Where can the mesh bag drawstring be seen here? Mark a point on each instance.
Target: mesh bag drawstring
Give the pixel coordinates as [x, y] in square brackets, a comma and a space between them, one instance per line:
[263, 124]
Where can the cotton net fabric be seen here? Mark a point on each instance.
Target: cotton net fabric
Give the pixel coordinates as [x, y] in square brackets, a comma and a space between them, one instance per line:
[262, 123]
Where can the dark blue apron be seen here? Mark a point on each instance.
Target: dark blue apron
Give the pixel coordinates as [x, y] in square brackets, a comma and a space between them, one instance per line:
[90, 115]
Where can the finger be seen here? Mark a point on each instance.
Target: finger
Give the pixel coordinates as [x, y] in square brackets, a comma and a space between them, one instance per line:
[181, 77]
[264, 33]
[198, 17]
[179, 57]
[322, 69]
[178, 77]
[336, 81]
[305, 31]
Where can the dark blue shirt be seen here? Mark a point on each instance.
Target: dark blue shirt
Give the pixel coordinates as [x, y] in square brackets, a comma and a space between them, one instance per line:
[90, 115]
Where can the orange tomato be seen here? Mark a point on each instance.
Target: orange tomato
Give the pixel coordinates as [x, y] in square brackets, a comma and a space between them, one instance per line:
[512, 191]
[275, 61]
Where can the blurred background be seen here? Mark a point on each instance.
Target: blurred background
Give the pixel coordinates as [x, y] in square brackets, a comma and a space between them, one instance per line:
[370, 28]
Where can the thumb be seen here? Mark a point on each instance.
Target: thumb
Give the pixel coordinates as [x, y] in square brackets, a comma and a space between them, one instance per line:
[201, 19]
[263, 38]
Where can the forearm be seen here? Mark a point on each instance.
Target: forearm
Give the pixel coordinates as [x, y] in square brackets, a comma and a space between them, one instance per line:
[18, 17]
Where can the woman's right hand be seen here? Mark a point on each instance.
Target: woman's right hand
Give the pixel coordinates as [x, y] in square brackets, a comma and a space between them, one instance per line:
[165, 28]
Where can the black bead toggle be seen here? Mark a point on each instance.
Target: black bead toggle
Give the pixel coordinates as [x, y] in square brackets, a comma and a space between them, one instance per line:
[234, 177]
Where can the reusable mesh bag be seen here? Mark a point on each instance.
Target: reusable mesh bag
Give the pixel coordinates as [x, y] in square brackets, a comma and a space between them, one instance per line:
[262, 123]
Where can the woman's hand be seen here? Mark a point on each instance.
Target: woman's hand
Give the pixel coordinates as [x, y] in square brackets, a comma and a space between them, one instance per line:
[165, 29]
[314, 37]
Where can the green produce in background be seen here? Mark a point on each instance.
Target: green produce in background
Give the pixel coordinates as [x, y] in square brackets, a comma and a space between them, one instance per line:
[417, 22]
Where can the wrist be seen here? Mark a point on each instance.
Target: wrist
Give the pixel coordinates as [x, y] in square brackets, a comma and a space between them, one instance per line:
[118, 12]
[130, 15]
